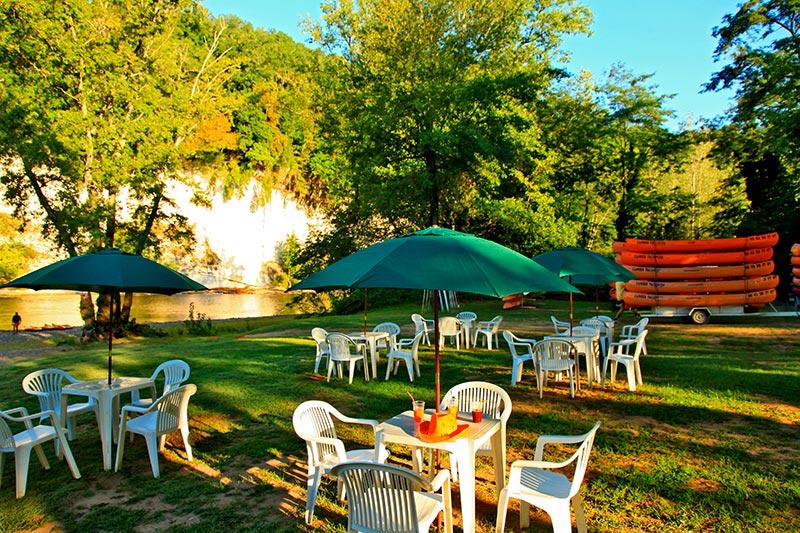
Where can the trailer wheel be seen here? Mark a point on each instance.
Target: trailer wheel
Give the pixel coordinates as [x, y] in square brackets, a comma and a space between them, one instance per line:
[700, 316]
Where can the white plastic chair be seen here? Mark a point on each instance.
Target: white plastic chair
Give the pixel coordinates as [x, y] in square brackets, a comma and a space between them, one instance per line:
[489, 331]
[46, 385]
[559, 326]
[621, 353]
[555, 356]
[632, 331]
[341, 353]
[320, 337]
[175, 371]
[521, 351]
[411, 358]
[450, 326]
[495, 403]
[536, 483]
[20, 444]
[391, 499]
[422, 324]
[393, 330]
[167, 414]
[313, 421]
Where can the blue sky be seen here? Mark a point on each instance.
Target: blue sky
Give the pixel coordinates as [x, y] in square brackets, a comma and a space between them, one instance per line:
[670, 39]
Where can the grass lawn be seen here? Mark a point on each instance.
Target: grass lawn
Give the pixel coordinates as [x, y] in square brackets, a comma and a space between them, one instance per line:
[709, 443]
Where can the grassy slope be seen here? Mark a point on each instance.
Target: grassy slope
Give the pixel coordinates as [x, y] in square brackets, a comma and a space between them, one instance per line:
[708, 444]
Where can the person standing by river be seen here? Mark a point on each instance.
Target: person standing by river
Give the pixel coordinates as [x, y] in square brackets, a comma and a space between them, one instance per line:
[16, 320]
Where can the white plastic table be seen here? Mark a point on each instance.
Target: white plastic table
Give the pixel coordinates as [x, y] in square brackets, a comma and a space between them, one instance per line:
[107, 403]
[466, 327]
[400, 430]
[371, 338]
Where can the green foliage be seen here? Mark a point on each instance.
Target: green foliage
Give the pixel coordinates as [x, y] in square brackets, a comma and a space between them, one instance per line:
[15, 256]
[97, 130]
[429, 108]
[759, 43]
[199, 325]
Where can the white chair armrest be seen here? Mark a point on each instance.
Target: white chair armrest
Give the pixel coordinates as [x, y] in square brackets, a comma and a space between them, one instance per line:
[8, 412]
[26, 418]
[404, 342]
[441, 480]
[519, 464]
[341, 453]
[364, 421]
[135, 409]
[554, 439]
[524, 346]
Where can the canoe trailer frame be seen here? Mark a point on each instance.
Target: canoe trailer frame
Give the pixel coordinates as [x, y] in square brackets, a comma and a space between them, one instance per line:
[702, 314]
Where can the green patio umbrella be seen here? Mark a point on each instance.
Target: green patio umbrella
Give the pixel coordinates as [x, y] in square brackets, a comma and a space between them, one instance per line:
[582, 266]
[107, 272]
[438, 259]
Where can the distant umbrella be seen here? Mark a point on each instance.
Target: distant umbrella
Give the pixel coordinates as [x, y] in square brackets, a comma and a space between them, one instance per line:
[107, 272]
[438, 259]
[582, 266]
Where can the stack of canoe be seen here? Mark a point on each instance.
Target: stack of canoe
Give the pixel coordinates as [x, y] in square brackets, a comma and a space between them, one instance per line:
[796, 269]
[708, 272]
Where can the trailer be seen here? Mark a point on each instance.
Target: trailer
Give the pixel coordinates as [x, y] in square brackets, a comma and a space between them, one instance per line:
[702, 314]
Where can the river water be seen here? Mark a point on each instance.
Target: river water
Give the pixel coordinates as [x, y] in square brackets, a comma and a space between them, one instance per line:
[41, 308]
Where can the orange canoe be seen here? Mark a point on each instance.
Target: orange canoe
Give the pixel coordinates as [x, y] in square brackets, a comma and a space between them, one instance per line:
[707, 258]
[513, 300]
[698, 286]
[702, 245]
[796, 260]
[703, 272]
[796, 249]
[758, 298]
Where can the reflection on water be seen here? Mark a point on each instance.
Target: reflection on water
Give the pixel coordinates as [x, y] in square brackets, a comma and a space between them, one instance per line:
[61, 307]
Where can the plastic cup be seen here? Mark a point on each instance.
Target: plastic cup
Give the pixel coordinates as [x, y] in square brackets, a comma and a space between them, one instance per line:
[419, 411]
[452, 407]
[477, 411]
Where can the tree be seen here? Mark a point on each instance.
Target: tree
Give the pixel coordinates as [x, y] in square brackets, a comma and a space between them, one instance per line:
[429, 110]
[265, 136]
[15, 255]
[639, 138]
[99, 100]
[760, 44]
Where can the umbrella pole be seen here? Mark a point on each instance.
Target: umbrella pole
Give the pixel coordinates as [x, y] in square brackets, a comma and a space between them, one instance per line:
[436, 344]
[110, 335]
[596, 301]
[366, 298]
[570, 309]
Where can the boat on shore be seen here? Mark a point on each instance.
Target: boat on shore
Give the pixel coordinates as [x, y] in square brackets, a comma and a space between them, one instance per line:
[703, 271]
[755, 299]
[513, 300]
[756, 255]
[765, 240]
[759, 283]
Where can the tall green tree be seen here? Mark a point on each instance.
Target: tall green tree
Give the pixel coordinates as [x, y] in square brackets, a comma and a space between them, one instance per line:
[639, 138]
[429, 110]
[759, 45]
[98, 101]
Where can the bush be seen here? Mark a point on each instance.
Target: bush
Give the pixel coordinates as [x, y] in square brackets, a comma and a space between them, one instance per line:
[199, 325]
